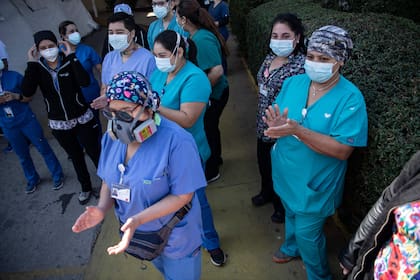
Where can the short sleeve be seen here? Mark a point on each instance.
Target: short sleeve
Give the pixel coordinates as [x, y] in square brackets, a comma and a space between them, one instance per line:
[350, 127]
[208, 51]
[196, 89]
[94, 56]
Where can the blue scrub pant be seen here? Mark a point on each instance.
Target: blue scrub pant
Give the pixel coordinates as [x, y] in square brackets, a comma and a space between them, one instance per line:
[32, 130]
[211, 238]
[186, 268]
[305, 238]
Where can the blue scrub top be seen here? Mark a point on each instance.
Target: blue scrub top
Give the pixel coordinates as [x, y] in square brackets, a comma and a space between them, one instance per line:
[306, 181]
[166, 163]
[141, 61]
[89, 59]
[13, 113]
[157, 27]
[189, 85]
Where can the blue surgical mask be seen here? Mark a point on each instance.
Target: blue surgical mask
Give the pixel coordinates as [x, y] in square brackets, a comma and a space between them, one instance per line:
[160, 11]
[74, 38]
[282, 48]
[319, 72]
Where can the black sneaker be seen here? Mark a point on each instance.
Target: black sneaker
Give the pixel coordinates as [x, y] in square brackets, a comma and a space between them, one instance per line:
[217, 257]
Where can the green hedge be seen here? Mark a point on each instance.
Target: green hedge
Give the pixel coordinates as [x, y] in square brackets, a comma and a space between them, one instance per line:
[385, 68]
[239, 10]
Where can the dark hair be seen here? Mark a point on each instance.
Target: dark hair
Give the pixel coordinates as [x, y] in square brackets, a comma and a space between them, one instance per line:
[168, 39]
[62, 28]
[198, 16]
[127, 20]
[295, 24]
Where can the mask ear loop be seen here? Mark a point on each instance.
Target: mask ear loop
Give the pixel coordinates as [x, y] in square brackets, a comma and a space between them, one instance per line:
[178, 42]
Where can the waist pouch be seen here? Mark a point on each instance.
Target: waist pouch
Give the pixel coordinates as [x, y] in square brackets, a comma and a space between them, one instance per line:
[147, 245]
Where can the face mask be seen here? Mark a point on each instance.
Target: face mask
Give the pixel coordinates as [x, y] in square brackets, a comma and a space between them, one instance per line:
[282, 47]
[134, 131]
[119, 41]
[318, 71]
[74, 38]
[164, 64]
[160, 11]
[1, 65]
[50, 54]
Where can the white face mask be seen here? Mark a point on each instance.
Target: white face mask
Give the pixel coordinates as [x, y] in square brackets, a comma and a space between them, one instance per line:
[160, 11]
[50, 54]
[164, 64]
[119, 41]
[74, 38]
[282, 48]
[319, 72]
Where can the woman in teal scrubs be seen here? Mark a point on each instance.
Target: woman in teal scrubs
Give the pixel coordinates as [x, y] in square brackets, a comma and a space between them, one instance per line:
[211, 50]
[184, 90]
[166, 20]
[318, 119]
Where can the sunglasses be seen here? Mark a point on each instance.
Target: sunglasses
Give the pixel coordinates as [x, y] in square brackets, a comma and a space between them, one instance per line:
[119, 115]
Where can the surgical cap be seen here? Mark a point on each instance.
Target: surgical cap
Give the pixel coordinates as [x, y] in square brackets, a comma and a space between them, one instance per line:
[332, 41]
[131, 86]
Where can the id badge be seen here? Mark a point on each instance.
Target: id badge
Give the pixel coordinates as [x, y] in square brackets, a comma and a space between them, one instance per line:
[120, 192]
[9, 112]
[263, 91]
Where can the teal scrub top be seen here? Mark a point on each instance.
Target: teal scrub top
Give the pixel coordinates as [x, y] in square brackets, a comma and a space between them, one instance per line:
[209, 55]
[157, 27]
[307, 182]
[189, 85]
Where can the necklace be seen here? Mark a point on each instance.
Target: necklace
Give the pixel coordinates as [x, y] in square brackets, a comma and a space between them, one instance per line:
[325, 88]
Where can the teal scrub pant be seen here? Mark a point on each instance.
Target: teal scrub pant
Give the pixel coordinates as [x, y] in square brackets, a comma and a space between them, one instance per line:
[305, 238]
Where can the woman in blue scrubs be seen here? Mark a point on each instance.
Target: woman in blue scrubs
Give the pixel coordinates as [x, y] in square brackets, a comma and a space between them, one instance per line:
[318, 119]
[148, 174]
[185, 89]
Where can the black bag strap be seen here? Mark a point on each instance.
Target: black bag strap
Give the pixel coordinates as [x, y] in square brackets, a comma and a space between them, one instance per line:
[179, 215]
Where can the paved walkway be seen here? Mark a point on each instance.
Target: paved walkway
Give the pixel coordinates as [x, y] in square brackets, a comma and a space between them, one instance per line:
[37, 242]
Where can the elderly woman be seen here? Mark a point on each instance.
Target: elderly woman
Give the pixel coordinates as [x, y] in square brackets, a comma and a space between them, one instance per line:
[318, 118]
[149, 173]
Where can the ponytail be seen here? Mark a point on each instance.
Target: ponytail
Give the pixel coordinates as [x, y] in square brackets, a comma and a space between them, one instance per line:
[198, 16]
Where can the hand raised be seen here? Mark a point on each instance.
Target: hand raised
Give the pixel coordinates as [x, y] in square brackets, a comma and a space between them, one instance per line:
[67, 48]
[273, 117]
[33, 54]
[99, 102]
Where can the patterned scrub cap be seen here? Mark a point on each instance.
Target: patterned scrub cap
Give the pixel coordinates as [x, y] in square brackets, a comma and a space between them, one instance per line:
[131, 86]
[332, 41]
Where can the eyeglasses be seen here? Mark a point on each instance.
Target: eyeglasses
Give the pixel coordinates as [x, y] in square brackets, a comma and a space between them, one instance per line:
[161, 3]
[119, 115]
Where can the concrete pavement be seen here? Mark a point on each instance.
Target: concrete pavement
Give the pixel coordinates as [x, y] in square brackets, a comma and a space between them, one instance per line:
[37, 242]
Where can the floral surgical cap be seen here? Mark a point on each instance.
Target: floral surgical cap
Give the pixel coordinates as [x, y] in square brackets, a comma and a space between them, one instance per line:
[332, 41]
[131, 86]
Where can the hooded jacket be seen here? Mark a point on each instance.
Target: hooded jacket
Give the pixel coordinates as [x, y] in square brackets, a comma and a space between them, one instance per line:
[377, 227]
[68, 102]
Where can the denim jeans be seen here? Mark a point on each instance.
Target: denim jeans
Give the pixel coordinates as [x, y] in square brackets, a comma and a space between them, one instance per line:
[211, 238]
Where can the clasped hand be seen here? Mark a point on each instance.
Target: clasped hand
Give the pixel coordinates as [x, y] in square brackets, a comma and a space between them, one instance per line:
[279, 125]
[8, 96]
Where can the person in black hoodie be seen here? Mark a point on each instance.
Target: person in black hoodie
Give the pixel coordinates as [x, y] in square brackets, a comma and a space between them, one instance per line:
[59, 74]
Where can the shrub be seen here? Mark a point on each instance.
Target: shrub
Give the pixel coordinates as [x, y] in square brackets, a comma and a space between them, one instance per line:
[239, 10]
[384, 66]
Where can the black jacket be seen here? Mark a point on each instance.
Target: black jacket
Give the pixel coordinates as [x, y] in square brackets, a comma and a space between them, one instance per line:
[66, 104]
[377, 227]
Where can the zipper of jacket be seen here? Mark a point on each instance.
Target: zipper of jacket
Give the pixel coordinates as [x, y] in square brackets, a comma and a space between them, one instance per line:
[376, 239]
[58, 91]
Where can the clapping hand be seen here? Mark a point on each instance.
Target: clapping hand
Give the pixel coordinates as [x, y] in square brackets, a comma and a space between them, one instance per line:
[279, 125]
[66, 47]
